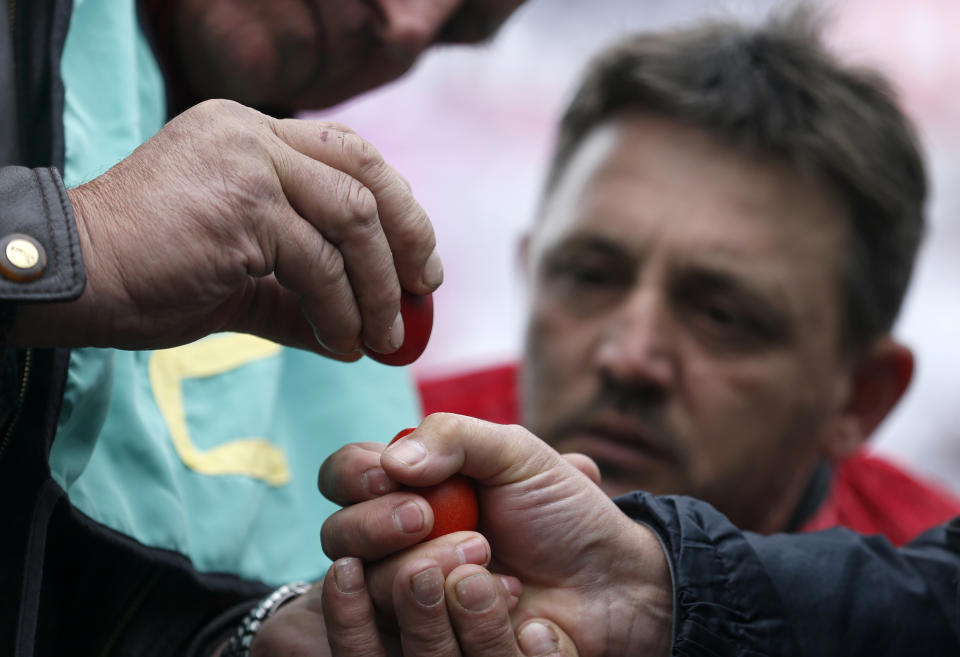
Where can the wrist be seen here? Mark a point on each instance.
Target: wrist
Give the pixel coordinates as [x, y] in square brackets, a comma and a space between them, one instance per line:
[239, 643]
[645, 592]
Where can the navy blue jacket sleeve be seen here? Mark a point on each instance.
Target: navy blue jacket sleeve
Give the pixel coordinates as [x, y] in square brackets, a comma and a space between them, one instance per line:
[826, 593]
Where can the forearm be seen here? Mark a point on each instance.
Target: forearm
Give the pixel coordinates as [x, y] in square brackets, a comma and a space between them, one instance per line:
[724, 602]
[831, 592]
[850, 594]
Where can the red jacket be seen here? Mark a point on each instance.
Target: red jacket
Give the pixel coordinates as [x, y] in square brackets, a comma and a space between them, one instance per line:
[868, 494]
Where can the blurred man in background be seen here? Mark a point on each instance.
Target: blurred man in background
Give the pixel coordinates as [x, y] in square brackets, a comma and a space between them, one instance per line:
[714, 275]
[725, 239]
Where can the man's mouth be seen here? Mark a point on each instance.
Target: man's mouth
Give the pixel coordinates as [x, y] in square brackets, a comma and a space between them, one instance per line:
[619, 444]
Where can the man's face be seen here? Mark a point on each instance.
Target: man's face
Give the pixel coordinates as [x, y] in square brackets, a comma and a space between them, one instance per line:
[684, 318]
[314, 53]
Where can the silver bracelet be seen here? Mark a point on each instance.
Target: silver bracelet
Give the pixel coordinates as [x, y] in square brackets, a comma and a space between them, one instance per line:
[239, 644]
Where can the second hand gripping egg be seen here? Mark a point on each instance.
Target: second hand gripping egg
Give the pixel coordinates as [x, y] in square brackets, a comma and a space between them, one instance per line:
[454, 502]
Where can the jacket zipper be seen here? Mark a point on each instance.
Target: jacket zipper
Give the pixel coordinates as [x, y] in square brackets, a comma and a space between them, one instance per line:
[24, 382]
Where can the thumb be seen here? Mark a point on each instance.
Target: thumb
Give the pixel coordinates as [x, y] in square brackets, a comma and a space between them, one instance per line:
[584, 464]
[542, 638]
[492, 454]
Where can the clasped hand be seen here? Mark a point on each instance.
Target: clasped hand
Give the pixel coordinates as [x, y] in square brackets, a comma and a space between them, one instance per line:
[562, 571]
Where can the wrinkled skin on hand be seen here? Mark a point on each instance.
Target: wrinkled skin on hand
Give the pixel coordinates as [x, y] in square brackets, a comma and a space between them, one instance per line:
[340, 604]
[599, 576]
[229, 220]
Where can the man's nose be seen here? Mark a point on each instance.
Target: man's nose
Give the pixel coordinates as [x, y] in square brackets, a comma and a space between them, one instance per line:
[638, 346]
[410, 26]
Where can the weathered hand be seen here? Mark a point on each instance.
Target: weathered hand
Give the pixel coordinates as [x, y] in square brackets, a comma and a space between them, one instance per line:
[296, 231]
[602, 578]
[337, 618]
[465, 614]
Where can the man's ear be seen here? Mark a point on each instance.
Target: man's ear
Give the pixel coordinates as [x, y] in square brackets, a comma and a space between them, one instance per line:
[880, 376]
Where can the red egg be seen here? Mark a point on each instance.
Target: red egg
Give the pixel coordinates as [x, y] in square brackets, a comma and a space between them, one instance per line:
[454, 502]
[417, 313]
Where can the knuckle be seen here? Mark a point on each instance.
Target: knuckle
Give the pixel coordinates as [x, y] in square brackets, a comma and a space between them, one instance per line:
[351, 625]
[218, 107]
[364, 208]
[425, 633]
[242, 139]
[441, 425]
[338, 126]
[416, 233]
[359, 204]
[330, 268]
[362, 153]
[368, 531]
[486, 638]
[228, 126]
[424, 636]
[231, 155]
[214, 109]
[355, 635]
[220, 118]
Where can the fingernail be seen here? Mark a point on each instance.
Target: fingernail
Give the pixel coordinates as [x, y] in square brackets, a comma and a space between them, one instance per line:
[513, 585]
[376, 482]
[408, 451]
[395, 337]
[396, 332]
[472, 550]
[348, 575]
[433, 270]
[408, 517]
[427, 586]
[476, 592]
[537, 639]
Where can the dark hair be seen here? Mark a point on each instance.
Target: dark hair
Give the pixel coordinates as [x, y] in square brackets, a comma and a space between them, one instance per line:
[775, 89]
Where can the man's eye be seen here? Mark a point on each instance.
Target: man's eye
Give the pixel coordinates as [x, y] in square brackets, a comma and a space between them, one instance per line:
[734, 326]
[722, 316]
[588, 276]
[575, 277]
[584, 286]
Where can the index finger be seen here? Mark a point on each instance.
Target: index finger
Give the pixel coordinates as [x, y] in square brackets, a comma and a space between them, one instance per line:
[353, 474]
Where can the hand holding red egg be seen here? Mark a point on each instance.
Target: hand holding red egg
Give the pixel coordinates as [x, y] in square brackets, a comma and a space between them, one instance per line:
[454, 502]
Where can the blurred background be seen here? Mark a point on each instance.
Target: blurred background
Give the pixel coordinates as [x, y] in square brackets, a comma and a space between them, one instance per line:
[472, 129]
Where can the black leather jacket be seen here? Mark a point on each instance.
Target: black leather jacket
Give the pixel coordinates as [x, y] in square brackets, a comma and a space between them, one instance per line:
[68, 585]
